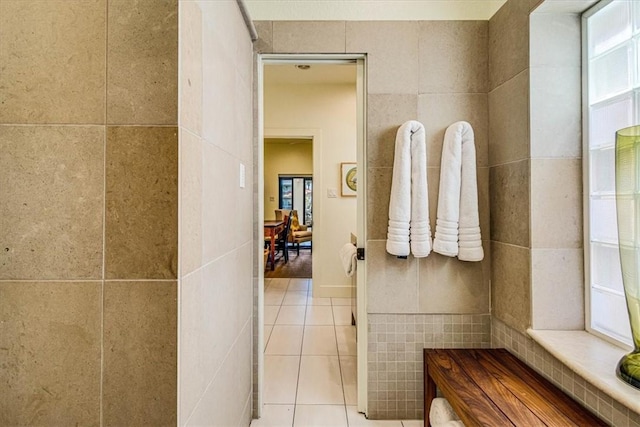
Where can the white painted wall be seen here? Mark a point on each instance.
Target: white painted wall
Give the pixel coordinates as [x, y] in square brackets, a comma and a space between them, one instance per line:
[282, 158]
[330, 111]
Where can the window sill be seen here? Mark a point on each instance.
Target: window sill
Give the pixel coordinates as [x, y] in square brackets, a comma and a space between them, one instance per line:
[592, 358]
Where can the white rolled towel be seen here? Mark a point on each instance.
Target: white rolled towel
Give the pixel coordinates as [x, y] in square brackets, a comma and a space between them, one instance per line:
[409, 230]
[441, 412]
[348, 257]
[458, 223]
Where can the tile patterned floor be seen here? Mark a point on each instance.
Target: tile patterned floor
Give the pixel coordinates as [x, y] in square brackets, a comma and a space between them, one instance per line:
[310, 361]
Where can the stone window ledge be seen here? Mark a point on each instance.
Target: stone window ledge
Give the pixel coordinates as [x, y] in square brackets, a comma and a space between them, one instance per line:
[592, 358]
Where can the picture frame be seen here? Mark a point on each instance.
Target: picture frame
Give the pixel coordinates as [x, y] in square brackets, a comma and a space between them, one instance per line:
[349, 179]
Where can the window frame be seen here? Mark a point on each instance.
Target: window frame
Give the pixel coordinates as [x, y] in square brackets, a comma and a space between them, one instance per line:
[586, 164]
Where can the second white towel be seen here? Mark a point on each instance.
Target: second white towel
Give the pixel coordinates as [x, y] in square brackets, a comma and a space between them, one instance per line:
[458, 223]
[409, 229]
[441, 412]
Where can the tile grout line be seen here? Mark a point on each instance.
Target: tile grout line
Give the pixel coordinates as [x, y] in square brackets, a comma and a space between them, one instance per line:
[304, 324]
[104, 207]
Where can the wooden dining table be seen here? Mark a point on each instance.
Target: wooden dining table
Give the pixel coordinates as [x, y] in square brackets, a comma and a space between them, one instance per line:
[271, 229]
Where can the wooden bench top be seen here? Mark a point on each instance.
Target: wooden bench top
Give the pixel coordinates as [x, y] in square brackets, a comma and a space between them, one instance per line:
[491, 387]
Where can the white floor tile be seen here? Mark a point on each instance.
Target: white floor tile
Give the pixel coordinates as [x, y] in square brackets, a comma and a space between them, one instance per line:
[280, 379]
[357, 419]
[291, 315]
[299, 284]
[267, 333]
[320, 381]
[270, 314]
[319, 315]
[273, 296]
[318, 301]
[413, 423]
[320, 416]
[275, 416]
[342, 315]
[319, 341]
[295, 298]
[346, 337]
[341, 301]
[348, 367]
[281, 284]
[285, 341]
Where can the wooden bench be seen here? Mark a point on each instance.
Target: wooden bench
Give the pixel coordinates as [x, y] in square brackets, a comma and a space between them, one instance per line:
[491, 387]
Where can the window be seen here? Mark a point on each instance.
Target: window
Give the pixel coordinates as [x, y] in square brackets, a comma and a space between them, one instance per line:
[612, 101]
[296, 192]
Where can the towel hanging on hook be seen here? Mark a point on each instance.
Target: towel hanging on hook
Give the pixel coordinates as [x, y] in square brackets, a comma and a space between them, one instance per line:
[409, 230]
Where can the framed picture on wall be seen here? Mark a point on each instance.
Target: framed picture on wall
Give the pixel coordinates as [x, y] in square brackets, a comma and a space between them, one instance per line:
[348, 179]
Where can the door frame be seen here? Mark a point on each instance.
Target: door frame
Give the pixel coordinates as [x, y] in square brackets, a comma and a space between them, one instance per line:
[316, 136]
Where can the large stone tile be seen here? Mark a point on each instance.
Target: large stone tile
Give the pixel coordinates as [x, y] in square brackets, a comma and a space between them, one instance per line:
[319, 381]
[191, 67]
[308, 36]
[555, 40]
[219, 98]
[142, 203]
[379, 193]
[510, 203]
[509, 124]
[392, 54]
[53, 61]
[228, 393]
[219, 201]
[453, 56]
[191, 202]
[556, 203]
[385, 114]
[511, 285]
[142, 66]
[195, 328]
[392, 282]
[51, 187]
[557, 289]
[438, 111]
[280, 379]
[556, 112]
[508, 42]
[320, 416]
[264, 44]
[50, 353]
[484, 205]
[213, 303]
[140, 353]
[448, 285]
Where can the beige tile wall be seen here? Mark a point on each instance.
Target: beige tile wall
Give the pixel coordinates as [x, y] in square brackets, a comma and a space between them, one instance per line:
[510, 164]
[216, 223]
[556, 170]
[88, 224]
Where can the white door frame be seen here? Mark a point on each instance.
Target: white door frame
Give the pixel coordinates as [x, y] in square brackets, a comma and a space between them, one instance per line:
[360, 60]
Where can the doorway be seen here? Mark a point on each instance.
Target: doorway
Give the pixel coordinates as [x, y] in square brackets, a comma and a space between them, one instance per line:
[327, 311]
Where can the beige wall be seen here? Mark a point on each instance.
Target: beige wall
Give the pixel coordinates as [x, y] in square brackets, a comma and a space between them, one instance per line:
[330, 111]
[88, 212]
[216, 216]
[536, 168]
[283, 158]
[509, 159]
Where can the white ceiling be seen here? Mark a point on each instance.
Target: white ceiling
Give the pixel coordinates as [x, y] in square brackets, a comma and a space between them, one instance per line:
[372, 10]
[288, 74]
